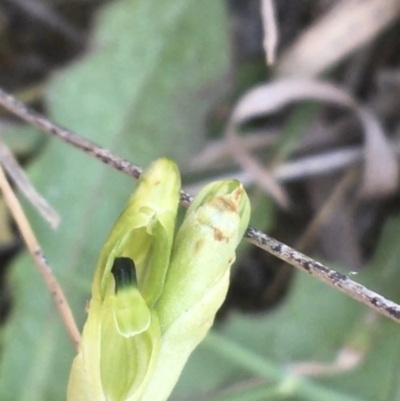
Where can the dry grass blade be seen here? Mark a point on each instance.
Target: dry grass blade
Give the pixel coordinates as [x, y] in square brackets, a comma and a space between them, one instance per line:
[17, 174]
[258, 238]
[301, 168]
[381, 170]
[263, 176]
[337, 195]
[41, 263]
[344, 29]
[346, 360]
[216, 155]
[319, 164]
[271, 35]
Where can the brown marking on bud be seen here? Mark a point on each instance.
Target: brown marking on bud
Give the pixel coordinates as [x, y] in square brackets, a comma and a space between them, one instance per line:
[237, 194]
[224, 204]
[198, 245]
[219, 236]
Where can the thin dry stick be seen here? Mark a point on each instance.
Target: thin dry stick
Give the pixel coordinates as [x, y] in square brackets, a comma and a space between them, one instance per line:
[71, 138]
[258, 238]
[38, 256]
[20, 179]
[323, 273]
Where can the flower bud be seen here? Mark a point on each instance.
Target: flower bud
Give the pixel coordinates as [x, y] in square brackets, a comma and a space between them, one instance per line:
[197, 278]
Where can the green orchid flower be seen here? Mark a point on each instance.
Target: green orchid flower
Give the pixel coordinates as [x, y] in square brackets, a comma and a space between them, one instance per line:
[121, 337]
[155, 294]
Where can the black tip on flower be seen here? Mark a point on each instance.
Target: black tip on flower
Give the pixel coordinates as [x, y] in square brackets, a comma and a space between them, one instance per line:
[124, 273]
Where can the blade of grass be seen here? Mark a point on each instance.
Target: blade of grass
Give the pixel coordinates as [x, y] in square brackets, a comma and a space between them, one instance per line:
[289, 384]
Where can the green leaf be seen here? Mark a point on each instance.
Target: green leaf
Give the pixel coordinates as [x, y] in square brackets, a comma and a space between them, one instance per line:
[162, 74]
[143, 91]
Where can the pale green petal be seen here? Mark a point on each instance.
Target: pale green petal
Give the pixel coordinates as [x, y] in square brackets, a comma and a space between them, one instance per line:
[109, 366]
[127, 363]
[130, 311]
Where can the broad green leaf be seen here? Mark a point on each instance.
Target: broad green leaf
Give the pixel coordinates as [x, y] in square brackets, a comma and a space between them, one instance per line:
[143, 91]
[162, 74]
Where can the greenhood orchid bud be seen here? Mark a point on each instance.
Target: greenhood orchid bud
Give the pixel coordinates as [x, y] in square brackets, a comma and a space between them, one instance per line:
[197, 278]
[155, 293]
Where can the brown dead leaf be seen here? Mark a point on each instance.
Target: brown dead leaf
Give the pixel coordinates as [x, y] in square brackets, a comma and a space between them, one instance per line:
[345, 28]
[380, 171]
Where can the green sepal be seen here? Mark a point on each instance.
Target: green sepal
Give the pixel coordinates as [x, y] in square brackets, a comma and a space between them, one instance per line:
[109, 366]
[204, 250]
[127, 364]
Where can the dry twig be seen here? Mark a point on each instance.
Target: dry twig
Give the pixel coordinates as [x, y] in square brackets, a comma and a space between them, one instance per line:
[258, 238]
[38, 256]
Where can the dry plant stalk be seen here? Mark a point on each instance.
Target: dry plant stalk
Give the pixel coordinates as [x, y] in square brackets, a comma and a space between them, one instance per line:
[39, 258]
[271, 35]
[287, 254]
